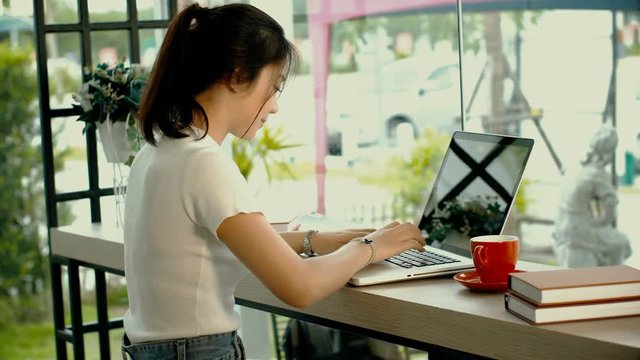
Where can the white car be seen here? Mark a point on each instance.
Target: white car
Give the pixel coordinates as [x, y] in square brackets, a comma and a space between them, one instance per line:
[365, 110]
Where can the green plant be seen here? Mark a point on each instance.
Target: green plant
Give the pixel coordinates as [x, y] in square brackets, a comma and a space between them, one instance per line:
[409, 178]
[7, 315]
[118, 296]
[471, 217]
[633, 49]
[22, 266]
[266, 147]
[522, 199]
[112, 93]
[24, 270]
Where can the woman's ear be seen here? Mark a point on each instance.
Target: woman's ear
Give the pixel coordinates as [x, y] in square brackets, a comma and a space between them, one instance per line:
[235, 81]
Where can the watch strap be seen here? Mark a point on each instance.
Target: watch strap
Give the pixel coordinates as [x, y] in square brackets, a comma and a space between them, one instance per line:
[306, 243]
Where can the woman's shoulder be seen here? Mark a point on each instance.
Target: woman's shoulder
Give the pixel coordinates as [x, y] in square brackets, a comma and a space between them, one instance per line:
[210, 161]
[187, 147]
[206, 167]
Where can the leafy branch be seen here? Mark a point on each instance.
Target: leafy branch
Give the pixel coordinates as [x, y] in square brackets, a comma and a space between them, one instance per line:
[267, 148]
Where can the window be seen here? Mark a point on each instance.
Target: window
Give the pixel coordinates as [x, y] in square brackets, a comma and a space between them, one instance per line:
[73, 35]
[558, 75]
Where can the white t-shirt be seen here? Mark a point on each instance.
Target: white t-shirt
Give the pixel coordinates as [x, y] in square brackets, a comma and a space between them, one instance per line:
[180, 276]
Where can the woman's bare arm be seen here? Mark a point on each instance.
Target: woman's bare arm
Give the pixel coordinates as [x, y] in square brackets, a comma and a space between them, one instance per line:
[301, 282]
[323, 242]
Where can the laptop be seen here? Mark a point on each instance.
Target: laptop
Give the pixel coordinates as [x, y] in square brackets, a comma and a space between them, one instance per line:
[480, 167]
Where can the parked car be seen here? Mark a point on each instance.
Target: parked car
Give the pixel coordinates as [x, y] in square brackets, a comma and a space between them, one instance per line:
[366, 109]
[428, 102]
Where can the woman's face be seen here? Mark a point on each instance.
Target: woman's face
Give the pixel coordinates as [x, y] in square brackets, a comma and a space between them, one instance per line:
[257, 102]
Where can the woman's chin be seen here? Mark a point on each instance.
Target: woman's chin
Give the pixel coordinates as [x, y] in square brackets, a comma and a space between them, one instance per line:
[252, 134]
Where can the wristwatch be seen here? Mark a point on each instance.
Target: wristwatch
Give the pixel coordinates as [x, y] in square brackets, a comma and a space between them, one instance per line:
[306, 243]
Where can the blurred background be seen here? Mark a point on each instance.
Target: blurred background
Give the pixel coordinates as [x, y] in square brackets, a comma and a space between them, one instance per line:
[363, 149]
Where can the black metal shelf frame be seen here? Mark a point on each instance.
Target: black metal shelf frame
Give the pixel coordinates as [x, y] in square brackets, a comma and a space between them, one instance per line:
[74, 332]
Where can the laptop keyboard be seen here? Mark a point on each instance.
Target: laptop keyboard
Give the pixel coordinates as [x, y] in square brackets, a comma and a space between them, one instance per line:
[413, 257]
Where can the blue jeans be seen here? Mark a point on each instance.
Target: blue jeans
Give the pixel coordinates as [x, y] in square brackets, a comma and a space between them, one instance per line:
[227, 346]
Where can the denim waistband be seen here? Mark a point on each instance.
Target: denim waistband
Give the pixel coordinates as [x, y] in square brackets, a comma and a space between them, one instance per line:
[225, 346]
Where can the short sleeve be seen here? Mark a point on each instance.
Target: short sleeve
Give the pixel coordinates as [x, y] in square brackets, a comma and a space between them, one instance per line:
[213, 189]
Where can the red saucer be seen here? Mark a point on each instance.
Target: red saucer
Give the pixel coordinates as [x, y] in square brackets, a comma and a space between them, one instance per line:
[471, 279]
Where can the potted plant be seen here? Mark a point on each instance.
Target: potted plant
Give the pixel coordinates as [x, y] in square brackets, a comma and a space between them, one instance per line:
[109, 101]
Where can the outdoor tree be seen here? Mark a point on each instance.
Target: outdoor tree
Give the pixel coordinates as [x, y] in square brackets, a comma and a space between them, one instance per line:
[23, 269]
[21, 206]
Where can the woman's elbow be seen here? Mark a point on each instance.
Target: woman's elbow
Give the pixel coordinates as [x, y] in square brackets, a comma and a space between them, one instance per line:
[299, 296]
[299, 302]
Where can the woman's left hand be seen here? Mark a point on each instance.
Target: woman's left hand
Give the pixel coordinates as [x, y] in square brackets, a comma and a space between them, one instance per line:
[327, 242]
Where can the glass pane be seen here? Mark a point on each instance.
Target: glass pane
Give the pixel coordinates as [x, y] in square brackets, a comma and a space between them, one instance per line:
[60, 12]
[627, 96]
[150, 41]
[115, 335]
[535, 86]
[393, 96]
[110, 46]
[91, 340]
[70, 155]
[64, 67]
[106, 11]
[68, 345]
[118, 302]
[153, 9]
[77, 211]
[112, 210]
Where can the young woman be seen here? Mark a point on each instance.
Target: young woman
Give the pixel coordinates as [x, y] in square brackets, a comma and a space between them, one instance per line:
[192, 230]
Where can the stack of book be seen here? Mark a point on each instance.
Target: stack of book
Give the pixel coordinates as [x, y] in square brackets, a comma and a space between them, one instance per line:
[552, 296]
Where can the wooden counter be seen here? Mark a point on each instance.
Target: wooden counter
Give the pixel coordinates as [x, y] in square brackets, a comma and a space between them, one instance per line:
[425, 314]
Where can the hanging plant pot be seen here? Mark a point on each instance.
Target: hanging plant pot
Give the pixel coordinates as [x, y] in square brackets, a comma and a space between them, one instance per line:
[113, 137]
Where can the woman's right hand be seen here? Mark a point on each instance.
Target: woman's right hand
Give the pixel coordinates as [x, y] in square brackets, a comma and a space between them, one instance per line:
[395, 238]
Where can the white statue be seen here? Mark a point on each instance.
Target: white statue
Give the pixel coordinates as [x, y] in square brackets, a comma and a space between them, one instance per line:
[585, 234]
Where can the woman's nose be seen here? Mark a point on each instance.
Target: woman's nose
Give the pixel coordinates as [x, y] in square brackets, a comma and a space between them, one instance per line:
[274, 105]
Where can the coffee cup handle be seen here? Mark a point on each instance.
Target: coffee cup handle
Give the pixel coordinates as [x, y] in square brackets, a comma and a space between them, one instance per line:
[478, 253]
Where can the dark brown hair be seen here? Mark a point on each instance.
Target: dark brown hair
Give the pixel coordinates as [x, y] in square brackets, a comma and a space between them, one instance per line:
[203, 46]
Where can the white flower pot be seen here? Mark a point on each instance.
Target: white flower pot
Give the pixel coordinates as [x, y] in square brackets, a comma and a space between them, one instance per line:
[113, 136]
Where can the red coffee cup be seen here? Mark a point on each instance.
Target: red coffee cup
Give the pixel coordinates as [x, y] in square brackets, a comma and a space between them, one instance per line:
[495, 256]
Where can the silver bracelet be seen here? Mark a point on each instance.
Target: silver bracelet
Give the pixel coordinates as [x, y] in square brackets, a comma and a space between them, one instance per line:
[306, 243]
[366, 241]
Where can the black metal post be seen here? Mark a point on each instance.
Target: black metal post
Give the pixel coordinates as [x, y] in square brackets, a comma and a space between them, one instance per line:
[75, 307]
[49, 175]
[58, 309]
[91, 141]
[103, 314]
[134, 33]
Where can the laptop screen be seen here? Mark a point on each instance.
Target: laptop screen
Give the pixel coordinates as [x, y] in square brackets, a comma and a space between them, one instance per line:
[474, 190]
